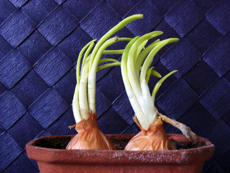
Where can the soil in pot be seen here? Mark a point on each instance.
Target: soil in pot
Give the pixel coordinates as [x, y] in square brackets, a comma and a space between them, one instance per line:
[119, 142]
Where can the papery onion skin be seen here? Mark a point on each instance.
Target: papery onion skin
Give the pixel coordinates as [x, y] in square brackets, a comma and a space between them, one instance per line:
[89, 136]
[155, 138]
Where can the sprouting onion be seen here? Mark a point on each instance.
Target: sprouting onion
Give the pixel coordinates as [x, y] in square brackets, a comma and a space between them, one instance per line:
[136, 84]
[84, 109]
[87, 79]
[136, 70]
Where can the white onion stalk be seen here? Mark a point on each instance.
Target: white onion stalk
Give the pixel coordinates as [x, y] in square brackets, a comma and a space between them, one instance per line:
[85, 90]
[136, 82]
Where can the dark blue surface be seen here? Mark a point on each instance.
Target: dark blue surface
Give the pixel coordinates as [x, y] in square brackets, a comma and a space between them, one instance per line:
[6, 9]
[180, 18]
[4, 47]
[73, 43]
[30, 88]
[48, 108]
[60, 127]
[214, 99]
[18, 3]
[18, 26]
[58, 25]
[217, 59]
[122, 106]
[53, 66]
[111, 82]
[10, 150]
[100, 24]
[177, 101]
[218, 132]
[21, 164]
[203, 36]
[206, 5]
[11, 109]
[14, 65]
[34, 47]
[219, 17]
[181, 57]
[111, 122]
[68, 80]
[103, 102]
[22, 130]
[81, 8]
[199, 82]
[39, 46]
[38, 10]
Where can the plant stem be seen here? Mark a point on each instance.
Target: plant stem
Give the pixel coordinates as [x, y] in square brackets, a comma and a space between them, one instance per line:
[114, 52]
[93, 70]
[182, 127]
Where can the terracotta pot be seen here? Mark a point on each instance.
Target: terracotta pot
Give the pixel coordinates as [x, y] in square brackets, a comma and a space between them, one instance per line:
[51, 156]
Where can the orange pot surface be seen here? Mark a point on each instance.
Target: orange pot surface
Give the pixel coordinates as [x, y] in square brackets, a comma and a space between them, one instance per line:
[51, 156]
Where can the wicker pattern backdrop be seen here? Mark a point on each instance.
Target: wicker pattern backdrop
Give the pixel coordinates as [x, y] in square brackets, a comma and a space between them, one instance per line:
[39, 44]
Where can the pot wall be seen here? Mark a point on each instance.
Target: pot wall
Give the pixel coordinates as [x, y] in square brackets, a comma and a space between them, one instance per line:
[60, 160]
[61, 168]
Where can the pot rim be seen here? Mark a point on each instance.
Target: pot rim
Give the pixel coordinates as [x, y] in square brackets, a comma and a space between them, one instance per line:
[182, 156]
[208, 144]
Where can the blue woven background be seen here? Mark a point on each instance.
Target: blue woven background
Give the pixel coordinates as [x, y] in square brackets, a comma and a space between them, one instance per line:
[39, 44]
